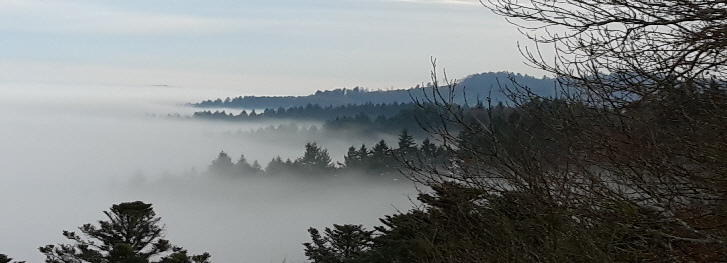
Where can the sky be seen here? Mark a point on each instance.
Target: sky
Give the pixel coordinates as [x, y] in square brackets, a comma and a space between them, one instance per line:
[254, 47]
[67, 137]
[71, 151]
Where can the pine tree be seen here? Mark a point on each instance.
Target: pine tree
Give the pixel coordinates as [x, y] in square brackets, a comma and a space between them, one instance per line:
[343, 243]
[364, 153]
[428, 149]
[222, 165]
[352, 159]
[132, 234]
[244, 168]
[407, 151]
[5, 259]
[381, 158]
[406, 142]
[314, 160]
[277, 166]
[256, 167]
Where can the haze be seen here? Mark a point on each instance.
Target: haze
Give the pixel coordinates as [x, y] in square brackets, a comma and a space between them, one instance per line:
[252, 47]
[69, 152]
[85, 87]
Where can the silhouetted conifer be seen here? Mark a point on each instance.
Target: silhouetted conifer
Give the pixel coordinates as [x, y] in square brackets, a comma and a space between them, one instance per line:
[132, 234]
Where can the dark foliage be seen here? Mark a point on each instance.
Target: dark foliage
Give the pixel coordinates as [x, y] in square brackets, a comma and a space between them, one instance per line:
[463, 224]
[478, 86]
[381, 161]
[311, 112]
[359, 120]
[343, 243]
[5, 259]
[314, 161]
[132, 234]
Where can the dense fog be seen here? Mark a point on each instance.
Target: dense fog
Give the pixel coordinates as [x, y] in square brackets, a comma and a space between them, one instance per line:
[69, 152]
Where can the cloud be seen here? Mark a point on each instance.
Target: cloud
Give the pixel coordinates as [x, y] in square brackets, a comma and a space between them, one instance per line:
[70, 151]
[447, 2]
[218, 83]
[80, 17]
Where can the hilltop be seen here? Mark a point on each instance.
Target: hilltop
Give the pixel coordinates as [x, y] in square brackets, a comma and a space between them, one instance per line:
[469, 89]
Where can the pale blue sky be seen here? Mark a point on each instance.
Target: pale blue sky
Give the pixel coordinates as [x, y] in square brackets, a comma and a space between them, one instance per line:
[262, 47]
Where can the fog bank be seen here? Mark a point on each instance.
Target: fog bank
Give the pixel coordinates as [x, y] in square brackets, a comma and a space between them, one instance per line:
[70, 152]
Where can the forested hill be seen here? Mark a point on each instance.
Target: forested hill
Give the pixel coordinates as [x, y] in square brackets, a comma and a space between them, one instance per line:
[470, 88]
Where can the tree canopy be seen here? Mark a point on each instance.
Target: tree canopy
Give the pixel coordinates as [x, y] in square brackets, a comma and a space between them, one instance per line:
[5, 259]
[625, 164]
[132, 234]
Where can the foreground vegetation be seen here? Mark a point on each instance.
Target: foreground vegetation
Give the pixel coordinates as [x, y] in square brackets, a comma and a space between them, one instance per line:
[381, 161]
[132, 234]
[627, 164]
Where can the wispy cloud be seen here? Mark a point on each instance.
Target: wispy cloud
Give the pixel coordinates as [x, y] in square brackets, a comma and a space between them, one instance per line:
[448, 2]
[83, 17]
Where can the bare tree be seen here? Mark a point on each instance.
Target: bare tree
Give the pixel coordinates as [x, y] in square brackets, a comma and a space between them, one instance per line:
[623, 48]
[631, 155]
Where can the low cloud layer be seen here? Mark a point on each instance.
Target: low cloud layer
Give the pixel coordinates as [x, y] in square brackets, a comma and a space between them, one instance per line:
[70, 152]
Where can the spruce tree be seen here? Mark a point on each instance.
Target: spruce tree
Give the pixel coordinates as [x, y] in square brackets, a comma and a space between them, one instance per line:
[276, 166]
[365, 154]
[343, 243]
[381, 159]
[5, 259]
[132, 234]
[222, 165]
[352, 160]
[406, 141]
[314, 160]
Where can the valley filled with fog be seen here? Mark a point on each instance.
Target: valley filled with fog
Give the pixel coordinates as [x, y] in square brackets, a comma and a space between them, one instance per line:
[69, 152]
[294, 131]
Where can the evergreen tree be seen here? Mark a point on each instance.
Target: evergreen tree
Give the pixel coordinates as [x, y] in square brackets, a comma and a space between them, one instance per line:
[5, 259]
[256, 167]
[314, 160]
[428, 149]
[433, 156]
[132, 234]
[277, 166]
[343, 243]
[381, 160]
[222, 165]
[407, 151]
[243, 167]
[357, 158]
[380, 150]
[406, 142]
[364, 154]
[352, 159]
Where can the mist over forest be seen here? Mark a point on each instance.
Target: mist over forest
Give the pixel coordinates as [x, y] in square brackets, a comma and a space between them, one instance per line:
[470, 89]
[228, 184]
[71, 151]
[618, 154]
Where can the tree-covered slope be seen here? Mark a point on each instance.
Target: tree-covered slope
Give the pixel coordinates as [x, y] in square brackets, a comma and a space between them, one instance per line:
[471, 88]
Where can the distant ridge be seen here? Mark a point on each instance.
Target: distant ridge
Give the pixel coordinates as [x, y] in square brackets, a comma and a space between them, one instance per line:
[469, 89]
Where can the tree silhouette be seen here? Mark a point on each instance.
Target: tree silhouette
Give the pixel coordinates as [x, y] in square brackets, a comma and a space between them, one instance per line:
[132, 234]
[352, 159]
[381, 160]
[277, 166]
[244, 168]
[315, 160]
[625, 154]
[343, 243]
[5, 259]
[222, 165]
[406, 141]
